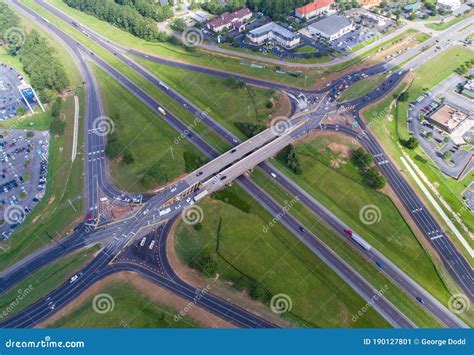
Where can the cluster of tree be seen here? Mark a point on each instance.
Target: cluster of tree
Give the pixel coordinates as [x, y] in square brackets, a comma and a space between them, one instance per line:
[121, 16]
[149, 8]
[255, 289]
[46, 73]
[178, 24]
[8, 20]
[203, 262]
[289, 157]
[371, 175]
[464, 68]
[115, 149]
[217, 7]
[235, 83]
[58, 125]
[249, 129]
[410, 143]
[345, 5]
[403, 97]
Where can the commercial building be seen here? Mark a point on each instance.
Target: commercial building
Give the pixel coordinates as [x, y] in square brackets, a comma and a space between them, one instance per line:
[449, 5]
[230, 20]
[447, 118]
[272, 32]
[468, 89]
[331, 27]
[315, 8]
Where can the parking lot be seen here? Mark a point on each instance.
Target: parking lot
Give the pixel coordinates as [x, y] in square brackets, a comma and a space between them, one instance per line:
[436, 142]
[10, 97]
[23, 157]
[468, 197]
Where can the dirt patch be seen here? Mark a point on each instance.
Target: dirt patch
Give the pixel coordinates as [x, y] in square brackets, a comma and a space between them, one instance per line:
[285, 106]
[217, 287]
[342, 149]
[154, 292]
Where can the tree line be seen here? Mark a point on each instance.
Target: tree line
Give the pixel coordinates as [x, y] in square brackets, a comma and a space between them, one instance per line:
[46, 73]
[149, 8]
[125, 17]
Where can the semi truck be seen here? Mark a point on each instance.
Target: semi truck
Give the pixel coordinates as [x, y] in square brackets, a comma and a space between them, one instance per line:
[358, 239]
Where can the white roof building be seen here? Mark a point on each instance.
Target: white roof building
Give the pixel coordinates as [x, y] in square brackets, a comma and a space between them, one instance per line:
[449, 5]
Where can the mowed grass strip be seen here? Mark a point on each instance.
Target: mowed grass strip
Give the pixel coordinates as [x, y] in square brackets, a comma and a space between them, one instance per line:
[148, 137]
[369, 271]
[43, 281]
[361, 87]
[127, 307]
[333, 181]
[225, 103]
[261, 259]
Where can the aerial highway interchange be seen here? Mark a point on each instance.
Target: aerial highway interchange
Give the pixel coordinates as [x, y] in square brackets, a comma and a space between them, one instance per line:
[161, 209]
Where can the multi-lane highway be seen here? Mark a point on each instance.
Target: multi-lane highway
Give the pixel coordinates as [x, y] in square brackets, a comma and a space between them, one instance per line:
[385, 308]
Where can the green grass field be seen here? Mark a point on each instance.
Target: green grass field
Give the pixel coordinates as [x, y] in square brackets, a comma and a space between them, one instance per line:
[390, 131]
[333, 180]
[444, 25]
[361, 87]
[131, 309]
[368, 270]
[146, 135]
[43, 281]
[224, 103]
[233, 234]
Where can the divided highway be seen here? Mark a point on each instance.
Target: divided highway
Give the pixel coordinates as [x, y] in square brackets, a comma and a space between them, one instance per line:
[384, 307]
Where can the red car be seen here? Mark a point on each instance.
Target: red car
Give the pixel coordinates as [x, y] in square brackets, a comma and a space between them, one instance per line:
[89, 216]
[348, 232]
